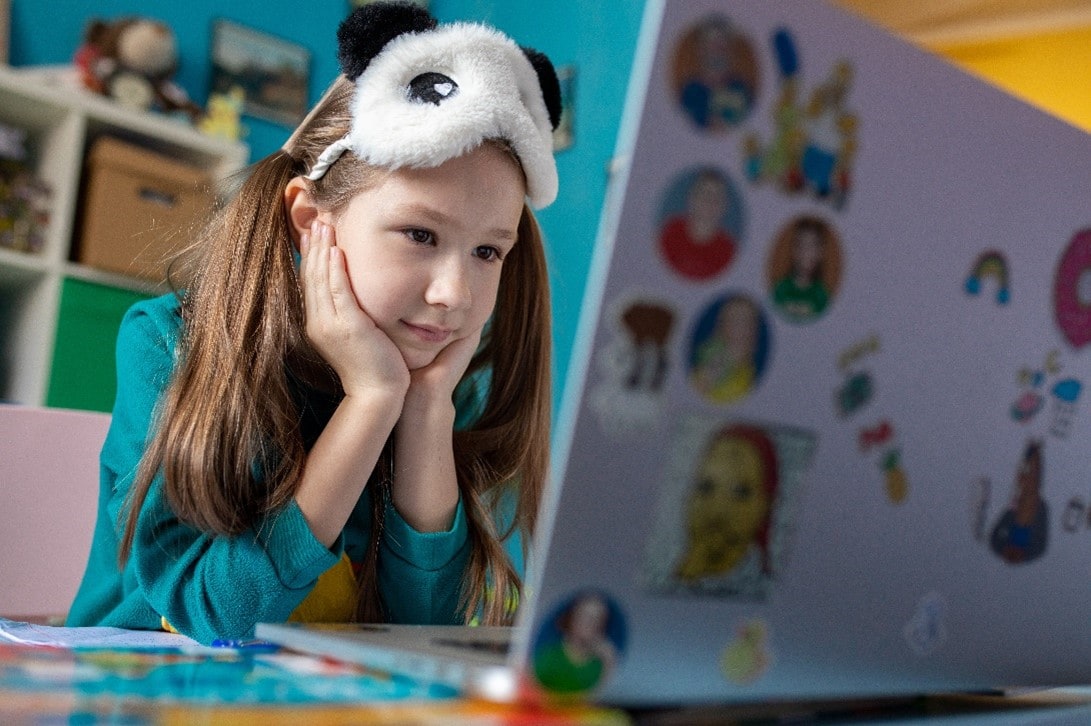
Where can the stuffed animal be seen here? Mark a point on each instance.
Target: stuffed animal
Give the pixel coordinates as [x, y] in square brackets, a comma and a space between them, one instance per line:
[133, 60]
[222, 114]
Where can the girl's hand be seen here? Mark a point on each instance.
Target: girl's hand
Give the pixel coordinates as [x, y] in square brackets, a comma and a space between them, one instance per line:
[364, 357]
[435, 383]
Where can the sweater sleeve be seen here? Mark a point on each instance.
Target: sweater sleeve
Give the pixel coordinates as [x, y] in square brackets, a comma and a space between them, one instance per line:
[420, 574]
[207, 586]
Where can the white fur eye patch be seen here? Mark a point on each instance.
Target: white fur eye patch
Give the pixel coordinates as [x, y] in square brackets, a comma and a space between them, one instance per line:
[431, 95]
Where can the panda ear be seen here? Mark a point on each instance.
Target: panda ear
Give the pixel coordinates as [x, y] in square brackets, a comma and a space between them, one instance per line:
[547, 79]
[362, 35]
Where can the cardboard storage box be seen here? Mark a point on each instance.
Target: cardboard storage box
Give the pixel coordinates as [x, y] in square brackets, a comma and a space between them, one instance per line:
[139, 206]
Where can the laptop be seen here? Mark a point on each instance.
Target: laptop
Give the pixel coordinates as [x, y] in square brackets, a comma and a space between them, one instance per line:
[823, 434]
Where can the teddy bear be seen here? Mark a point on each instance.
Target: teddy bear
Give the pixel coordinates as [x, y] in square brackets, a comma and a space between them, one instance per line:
[133, 60]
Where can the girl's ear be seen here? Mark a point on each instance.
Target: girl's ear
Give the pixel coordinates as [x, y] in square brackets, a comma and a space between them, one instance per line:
[300, 207]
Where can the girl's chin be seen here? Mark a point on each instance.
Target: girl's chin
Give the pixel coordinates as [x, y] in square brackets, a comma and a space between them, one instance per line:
[417, 359]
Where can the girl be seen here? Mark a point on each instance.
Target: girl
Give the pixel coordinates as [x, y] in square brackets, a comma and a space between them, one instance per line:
[364, 436]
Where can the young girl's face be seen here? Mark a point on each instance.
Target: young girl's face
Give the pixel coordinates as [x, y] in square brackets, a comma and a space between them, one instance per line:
[424, 248]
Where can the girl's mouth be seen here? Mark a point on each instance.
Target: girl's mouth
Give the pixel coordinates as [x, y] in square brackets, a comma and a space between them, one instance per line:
[428, 333]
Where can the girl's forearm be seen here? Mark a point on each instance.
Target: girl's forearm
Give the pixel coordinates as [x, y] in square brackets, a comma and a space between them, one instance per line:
[342, 459]
[425, 487]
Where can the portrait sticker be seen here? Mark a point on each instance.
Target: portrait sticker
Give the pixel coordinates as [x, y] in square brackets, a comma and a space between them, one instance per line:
[1021, 532]
[715, 74]
[701, 223]
[804, 269]
[729, 348]
[727, 508]
[579, 645]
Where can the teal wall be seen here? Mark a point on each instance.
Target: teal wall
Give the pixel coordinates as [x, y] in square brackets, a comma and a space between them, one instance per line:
[596, 38]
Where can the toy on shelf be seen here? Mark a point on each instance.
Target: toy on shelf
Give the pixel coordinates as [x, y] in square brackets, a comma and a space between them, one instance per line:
[24, 198]
[222, 118]
[133, 60]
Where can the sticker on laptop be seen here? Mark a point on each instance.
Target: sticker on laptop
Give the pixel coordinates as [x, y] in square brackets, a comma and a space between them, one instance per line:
[729, 348]
[1072, 290]
[858, 385]
[748, 657]
[895, 480]
[701, 223]
[926, 630]
[715, 74]
[876, 438]
[881, 437]
[875, 435]
[1076, 516]
[633, 366]
[804, 269]
[814, 139]
[579, 645]
[989, 275]
[728, 506]
[1065, 395]
[1044, 387]
[1021, 533]
[1032, 382]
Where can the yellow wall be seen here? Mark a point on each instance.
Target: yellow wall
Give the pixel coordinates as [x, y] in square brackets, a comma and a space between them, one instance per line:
[1051, 70]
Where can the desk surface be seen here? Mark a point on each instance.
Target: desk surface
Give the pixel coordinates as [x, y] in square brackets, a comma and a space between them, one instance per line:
[45, 684]
[109, 675]
[172, 686]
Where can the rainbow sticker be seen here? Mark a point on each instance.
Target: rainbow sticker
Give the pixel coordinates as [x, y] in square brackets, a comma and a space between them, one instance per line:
[990, 264]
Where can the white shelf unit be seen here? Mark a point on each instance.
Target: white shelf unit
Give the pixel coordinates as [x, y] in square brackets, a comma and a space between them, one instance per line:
[61, 122]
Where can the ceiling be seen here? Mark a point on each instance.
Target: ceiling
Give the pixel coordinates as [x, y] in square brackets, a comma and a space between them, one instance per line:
[952, 21]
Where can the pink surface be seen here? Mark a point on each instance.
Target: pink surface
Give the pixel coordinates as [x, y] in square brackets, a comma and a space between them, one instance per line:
[48, 499]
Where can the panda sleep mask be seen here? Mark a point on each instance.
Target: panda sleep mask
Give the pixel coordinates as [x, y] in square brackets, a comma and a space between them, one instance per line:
[426, 93]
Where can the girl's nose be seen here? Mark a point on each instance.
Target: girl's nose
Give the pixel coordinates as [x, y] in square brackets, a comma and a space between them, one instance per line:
[449, 286]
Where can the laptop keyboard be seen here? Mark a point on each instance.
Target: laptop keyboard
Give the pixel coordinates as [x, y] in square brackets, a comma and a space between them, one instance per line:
[494, 647]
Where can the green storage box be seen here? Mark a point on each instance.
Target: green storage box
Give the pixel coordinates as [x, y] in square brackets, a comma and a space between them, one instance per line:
[84, 372]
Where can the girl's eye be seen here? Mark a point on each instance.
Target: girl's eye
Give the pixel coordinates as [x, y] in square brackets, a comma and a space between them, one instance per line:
[420, 236]
[487, 253]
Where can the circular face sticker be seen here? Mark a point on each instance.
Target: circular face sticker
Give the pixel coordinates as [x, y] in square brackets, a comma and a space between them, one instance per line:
[715, 74]
[729, 349]
[700, 223]
[804, 269]
[580, 644]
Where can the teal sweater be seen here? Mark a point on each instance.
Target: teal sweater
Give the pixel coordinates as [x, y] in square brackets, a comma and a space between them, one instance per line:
[210, 586]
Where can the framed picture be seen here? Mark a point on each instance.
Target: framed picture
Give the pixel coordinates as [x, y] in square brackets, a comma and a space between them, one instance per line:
[564, 136]
[353, 4]
[5, 29]
[273, 73]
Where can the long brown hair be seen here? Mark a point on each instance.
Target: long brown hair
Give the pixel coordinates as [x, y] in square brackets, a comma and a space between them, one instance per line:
[227, 438]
